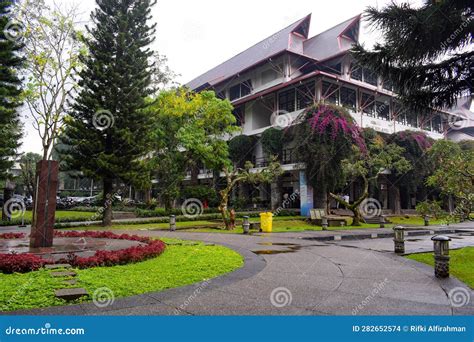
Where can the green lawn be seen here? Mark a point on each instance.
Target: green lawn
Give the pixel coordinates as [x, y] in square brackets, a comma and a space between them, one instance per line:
[61, 215]
[414, 220]
[182, 263]
[461, 263]
[280, 224]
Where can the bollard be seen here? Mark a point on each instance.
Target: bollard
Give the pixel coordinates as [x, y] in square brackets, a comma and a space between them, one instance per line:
[399, 240]
[426, 218]
[172, 223]
[382, 221]
[246, 225]
[441, 255]
[324, 223]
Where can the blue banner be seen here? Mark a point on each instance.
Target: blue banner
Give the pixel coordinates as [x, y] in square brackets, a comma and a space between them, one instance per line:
[242, 329]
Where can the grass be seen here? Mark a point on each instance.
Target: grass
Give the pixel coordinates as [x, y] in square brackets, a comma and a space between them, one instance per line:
[280, 224]
[182, 263]
[414, 220]
[461, 263]
[61, 215]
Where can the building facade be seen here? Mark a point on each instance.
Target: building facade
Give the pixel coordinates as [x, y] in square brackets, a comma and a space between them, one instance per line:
[275, 80]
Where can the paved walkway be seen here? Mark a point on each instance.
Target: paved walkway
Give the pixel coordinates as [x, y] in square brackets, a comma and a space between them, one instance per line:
[288, 274]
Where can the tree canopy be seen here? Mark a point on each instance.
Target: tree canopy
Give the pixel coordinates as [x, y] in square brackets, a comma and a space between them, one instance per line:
[426, 52]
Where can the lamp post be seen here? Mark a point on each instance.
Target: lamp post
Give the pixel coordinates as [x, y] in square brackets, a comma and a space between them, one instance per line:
[246, 225]
[399, 240]
[441, 255]
[172, 223]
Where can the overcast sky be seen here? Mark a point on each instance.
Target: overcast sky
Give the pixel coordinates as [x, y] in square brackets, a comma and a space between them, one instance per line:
[198, 35]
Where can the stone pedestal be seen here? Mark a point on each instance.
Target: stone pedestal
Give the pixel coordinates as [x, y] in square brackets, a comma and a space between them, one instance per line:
[44, 204]
[441, 266]
[399, 246]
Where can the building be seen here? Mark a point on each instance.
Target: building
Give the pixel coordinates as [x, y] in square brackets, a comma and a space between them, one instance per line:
[273, 81]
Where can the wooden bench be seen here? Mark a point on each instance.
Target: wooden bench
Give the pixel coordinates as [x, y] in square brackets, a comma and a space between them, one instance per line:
[316, 216]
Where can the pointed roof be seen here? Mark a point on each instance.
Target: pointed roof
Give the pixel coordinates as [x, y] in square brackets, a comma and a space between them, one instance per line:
[293, 38]
[264, 49]
[333, 41]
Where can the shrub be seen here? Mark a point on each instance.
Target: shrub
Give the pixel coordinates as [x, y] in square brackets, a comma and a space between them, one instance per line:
[9, 236]
[21, 263]
[430, 208]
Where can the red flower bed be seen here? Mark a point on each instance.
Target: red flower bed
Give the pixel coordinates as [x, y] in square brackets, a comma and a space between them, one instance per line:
[10, 236]
[22, 263]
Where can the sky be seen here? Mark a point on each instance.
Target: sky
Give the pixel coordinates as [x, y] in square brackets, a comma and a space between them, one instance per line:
[198, 35]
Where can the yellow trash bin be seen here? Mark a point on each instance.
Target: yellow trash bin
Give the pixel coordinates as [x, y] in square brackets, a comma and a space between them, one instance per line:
[266, 222]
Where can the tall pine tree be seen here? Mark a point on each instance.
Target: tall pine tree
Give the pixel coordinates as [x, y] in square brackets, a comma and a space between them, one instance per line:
[10, 90]
[427, 52]
[107, 131]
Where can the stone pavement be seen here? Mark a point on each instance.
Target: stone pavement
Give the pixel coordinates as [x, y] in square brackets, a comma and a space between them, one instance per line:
[287, 274]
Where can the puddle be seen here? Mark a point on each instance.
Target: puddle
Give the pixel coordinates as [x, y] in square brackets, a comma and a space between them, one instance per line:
[292, 248]
[276, 244]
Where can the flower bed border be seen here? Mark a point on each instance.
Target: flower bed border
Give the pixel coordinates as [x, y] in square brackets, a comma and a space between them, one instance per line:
[27, 262]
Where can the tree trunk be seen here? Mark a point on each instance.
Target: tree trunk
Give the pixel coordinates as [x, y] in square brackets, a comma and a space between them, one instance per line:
[7, 194]
[397, 209]
[108, 199]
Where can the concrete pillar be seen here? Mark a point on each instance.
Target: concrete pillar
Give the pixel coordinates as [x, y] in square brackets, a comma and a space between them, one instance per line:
[441, 255]
[399, 240]
[306, 195]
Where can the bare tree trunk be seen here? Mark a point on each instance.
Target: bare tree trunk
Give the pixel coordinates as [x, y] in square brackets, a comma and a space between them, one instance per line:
[354, 207]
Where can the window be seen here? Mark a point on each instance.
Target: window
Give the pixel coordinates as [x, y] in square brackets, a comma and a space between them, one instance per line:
[399, 113]
[330, 92]
[368, 104]
[286, 100]
[239, 114]
[240, 90]
[388, 85]
[383, 110]
[356, 73]
[221, 95]
[437, 124]
[370, 77]
[348, 97]
[363, 74]
[411, 120]
[305, 94]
